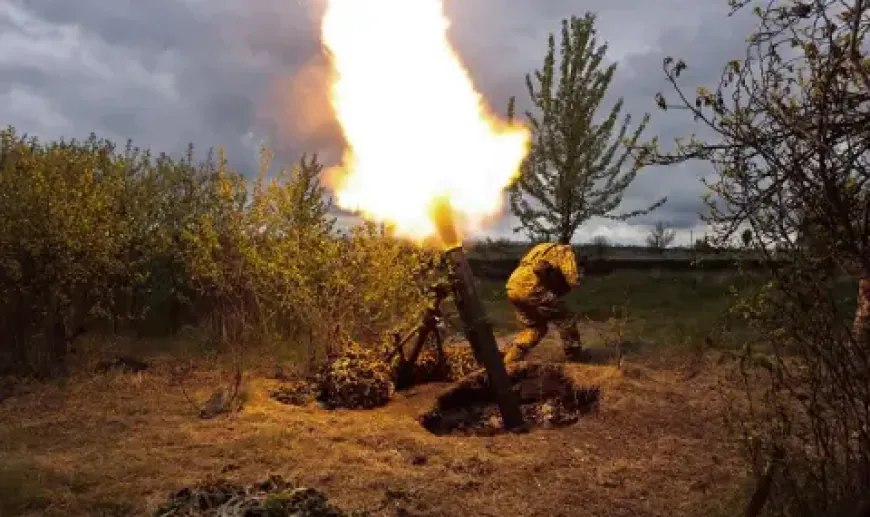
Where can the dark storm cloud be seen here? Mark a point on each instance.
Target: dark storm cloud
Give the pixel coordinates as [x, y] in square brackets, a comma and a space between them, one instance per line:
[163, 72]
[244, 73]
[706, 48]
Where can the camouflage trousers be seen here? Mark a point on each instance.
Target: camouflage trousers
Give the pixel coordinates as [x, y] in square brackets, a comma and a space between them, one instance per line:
[535, 314]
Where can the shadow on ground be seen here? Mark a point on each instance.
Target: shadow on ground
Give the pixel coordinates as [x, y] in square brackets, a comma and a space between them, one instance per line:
[121, 443]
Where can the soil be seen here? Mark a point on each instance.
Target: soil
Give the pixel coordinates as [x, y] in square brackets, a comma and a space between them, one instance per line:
[122, 443]
[548, 398]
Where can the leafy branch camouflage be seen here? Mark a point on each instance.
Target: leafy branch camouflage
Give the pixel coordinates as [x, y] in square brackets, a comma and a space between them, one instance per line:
[359, 378]
[272, 497]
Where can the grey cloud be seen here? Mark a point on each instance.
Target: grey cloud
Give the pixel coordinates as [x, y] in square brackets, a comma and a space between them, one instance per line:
[162, 68]
[639, 36]
[236, 73]
[706, 48]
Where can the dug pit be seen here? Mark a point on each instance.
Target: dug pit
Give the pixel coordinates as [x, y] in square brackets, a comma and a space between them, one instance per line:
[549, 397]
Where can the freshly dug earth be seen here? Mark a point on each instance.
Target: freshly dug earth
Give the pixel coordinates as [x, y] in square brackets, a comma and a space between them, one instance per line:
[548, 398]
[360, 379]
[273, 497]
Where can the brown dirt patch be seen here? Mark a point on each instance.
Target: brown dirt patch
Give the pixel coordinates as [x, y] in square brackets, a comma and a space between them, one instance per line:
[548, 398]
[120, 444]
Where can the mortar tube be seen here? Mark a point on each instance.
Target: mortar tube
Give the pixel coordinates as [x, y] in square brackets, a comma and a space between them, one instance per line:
[478, 329]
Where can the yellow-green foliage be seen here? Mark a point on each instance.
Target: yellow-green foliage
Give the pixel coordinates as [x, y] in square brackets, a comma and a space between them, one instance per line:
[91, 236]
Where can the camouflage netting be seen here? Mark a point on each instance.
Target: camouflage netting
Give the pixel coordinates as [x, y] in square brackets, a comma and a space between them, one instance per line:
[357, 380]
[273, 497]
[360, 379]
[459, 362]
[549, 397]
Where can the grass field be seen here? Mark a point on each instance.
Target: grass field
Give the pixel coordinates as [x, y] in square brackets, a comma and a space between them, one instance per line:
[677, 309]
[660, 310]
[118, 444]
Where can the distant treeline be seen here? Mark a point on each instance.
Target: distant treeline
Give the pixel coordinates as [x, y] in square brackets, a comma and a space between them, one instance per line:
[500, 269]
[503, 248]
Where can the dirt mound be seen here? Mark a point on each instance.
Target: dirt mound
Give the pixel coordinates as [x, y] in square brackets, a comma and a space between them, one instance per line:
[273, 498]
[549, 397]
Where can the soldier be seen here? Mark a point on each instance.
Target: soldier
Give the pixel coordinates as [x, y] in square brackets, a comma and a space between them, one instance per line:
[547, 273]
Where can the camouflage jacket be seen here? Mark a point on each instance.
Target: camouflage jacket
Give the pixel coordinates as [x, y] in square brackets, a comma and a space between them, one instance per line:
[524, 283]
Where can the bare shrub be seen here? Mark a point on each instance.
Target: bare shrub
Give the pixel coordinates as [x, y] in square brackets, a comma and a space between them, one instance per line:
[790, 150]
[660, 237]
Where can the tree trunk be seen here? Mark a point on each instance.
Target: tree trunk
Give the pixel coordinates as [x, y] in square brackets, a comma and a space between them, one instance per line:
[54, 363]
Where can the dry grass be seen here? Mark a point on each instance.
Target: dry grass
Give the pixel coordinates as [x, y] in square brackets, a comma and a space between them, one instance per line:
[117, 444]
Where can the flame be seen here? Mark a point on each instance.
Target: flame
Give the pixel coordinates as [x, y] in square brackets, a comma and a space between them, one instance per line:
[417, 132]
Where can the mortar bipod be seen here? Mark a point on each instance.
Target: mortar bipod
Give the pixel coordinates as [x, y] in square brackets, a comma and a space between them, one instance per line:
[431, 318]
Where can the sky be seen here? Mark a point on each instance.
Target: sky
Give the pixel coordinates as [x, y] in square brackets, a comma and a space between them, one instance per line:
[246, 73]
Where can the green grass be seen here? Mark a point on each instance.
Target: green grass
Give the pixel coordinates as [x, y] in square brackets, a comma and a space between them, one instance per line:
[663, 308]
[27, 488]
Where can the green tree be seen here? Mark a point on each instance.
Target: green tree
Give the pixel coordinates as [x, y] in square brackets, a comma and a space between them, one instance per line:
[63, 236]
[573, 171]
[601, 245]
[660, 237]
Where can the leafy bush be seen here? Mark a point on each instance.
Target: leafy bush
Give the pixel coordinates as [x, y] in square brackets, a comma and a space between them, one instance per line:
[803, 412]
[125, 241]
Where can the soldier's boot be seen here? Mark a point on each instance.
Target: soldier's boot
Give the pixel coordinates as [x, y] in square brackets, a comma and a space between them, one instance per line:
[515, 353]
[572, 345]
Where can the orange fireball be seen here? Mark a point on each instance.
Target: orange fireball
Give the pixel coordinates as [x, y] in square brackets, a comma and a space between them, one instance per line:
[417, 131]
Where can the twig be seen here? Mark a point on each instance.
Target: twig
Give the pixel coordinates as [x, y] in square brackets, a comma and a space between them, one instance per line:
[181, 379]
[762, 488]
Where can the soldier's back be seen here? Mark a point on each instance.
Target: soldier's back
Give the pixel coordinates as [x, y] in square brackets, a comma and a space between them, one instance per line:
[523, 282]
